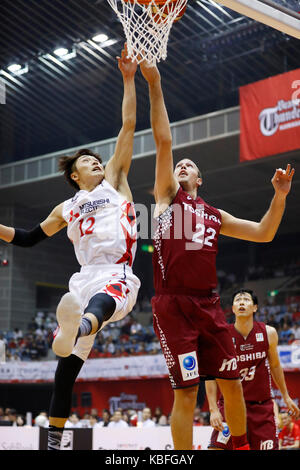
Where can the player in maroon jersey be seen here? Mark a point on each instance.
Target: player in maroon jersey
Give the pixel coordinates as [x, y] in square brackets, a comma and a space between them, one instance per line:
[187, 315]
[258, 361]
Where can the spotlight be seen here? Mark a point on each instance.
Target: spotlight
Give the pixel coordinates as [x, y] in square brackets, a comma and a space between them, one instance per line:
[100, 38]
[14, 68]
[61, 52]
[17, 69]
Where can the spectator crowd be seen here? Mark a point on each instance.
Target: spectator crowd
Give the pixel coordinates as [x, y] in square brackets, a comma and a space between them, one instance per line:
[124, 338]
[121, 418]
[128, 337]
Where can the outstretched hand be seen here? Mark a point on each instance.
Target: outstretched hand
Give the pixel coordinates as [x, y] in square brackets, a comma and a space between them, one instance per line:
[282, 180]
[125, 64]
[150, 72]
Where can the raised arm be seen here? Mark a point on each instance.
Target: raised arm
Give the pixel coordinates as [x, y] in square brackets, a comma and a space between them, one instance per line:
[265, 230]
[27, 238]
[277, 372]
[166, 185]
[118, 166]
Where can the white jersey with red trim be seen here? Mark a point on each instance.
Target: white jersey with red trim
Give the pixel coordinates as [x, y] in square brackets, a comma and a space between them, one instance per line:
[101, 226]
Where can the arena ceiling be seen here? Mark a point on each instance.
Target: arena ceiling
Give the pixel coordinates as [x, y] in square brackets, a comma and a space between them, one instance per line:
[57, 104]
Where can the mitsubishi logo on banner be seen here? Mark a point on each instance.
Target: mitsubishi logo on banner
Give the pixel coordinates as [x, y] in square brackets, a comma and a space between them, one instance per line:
[270, 116]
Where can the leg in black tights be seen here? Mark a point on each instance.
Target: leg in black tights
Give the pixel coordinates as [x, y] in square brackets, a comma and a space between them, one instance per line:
[66, 373]
[100, 308]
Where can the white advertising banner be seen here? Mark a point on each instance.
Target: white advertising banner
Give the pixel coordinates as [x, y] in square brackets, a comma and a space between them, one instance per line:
[125, 367]
[94, 369]
[116, 368]
[290, 356]
[19, 438]
[157, 438]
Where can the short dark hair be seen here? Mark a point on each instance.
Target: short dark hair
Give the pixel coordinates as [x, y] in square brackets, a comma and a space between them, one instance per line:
[67, 164]
[246, 291]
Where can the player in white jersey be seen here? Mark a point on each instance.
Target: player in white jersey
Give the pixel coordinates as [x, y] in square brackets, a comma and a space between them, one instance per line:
[101, 224]
[102, 227]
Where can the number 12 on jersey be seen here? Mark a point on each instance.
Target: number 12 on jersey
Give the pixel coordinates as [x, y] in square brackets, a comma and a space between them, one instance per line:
[86, 227]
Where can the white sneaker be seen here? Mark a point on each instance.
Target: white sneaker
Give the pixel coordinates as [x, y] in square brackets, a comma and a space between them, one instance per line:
[68, 315]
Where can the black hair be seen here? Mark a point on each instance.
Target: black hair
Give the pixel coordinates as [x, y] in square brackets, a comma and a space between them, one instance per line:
[67, 164]
[246, 291]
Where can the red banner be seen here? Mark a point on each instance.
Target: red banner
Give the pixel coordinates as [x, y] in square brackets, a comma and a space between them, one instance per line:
[270, 116]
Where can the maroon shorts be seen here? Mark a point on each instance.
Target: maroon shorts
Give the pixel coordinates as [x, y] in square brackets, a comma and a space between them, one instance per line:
[194, 338]
[261, 428]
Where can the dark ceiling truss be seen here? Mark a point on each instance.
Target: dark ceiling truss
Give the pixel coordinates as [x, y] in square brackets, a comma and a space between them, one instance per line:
[52, 72]
[211, 53]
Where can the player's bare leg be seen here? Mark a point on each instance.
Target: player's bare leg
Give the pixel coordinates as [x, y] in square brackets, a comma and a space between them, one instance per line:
[235, 408]
[182, 417]
[68, 316]
[73, 325]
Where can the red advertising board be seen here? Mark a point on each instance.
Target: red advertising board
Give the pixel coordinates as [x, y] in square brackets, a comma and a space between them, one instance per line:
[270, 116]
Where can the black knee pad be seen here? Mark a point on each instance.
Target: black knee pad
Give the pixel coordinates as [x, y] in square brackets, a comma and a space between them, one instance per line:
[102, 306]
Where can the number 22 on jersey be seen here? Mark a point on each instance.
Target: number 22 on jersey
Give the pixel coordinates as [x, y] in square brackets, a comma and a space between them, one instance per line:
[201, 237]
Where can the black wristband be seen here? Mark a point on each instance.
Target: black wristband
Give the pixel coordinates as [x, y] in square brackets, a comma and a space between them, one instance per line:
[28, 238]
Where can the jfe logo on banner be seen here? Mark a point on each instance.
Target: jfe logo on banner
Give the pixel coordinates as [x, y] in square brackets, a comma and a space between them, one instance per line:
[270, 116]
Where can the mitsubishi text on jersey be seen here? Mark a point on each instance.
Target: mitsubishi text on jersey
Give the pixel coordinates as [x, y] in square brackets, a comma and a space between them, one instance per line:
[101, 226]
[186, 244]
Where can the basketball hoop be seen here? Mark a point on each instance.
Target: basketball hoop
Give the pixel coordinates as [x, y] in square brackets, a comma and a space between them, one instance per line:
[147, 25]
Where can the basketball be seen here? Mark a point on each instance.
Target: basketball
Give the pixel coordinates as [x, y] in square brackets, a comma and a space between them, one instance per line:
[161, 13]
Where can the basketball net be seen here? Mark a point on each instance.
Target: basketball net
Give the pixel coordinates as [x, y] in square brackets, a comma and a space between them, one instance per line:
[147, 26]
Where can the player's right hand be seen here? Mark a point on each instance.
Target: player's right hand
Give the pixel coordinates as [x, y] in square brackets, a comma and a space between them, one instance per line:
[125, 64]
[216, 420]
[293, 408]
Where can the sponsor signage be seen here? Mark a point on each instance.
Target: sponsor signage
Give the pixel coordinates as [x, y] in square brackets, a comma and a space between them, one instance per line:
[135, 367]
[289, 356]
[270, 116]
[189, 365]
[158, 438]
[19, 438]
[73, 439]
[97, 438]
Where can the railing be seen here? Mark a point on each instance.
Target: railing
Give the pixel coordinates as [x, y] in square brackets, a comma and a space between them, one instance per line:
[192, 131]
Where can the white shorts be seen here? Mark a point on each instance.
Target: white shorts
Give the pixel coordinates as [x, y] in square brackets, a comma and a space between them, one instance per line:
[116, 280]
